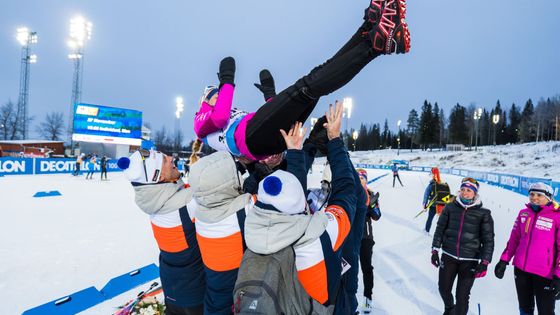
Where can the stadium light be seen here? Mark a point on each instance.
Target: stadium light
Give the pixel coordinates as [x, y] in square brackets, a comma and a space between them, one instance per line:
[399, 137]
[26, 38]
[80, 33]
[355, 137]
[495, 121]
[179, 107]
[476, 117]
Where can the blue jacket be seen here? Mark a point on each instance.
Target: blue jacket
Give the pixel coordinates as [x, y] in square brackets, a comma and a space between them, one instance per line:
[395, 169]
[429, 193]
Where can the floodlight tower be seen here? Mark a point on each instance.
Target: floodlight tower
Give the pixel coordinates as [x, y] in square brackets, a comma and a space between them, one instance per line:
[26, 38]
[80, 32]
[179, 107]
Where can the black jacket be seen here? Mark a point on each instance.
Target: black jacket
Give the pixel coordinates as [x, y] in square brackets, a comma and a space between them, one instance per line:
[465, 233]
[373, 213]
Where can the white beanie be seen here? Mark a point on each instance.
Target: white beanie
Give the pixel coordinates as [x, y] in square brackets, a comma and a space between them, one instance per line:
[282, 191]
[543, 189]
[327, 175]
[142, 169]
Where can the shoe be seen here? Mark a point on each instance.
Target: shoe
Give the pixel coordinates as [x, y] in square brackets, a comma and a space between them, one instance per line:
[267, 86]
[368, 306]
[449, 311]
[391, 35]
[373, 12]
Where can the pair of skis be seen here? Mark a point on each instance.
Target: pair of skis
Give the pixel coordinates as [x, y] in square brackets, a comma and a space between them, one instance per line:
[128, 308]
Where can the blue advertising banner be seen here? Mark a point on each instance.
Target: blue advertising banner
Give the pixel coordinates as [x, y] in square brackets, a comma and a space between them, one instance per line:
[16, 166]
[556, 188]
[96, 123]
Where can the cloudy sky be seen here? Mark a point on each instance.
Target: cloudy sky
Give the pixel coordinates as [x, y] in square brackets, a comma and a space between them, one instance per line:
[145, 53]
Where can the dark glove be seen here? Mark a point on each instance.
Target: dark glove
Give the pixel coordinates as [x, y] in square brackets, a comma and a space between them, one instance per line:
[318, 136]
[500, 269]
[227, 71]
[556, 288]
[480, 270]
[267, 86]
[435, 258]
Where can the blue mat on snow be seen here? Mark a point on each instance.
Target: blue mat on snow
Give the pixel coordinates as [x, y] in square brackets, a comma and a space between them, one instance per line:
[40, 194]
[87, 298]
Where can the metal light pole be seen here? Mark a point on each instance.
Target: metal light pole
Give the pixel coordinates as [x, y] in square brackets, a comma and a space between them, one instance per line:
[26, 38]
[476, 117]
[399, 137]
[80, 32]
[179, 107]
[355, 137]
[347, 104]
[495, 121]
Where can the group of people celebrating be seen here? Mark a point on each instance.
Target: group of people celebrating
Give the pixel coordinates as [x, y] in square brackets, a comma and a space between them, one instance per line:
[246, 236]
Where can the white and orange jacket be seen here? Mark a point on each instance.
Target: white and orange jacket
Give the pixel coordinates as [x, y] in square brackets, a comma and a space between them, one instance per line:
[221, 209]
[318, 238]
[172, 220]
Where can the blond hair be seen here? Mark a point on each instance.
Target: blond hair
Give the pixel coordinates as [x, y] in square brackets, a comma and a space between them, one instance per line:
[196, 148]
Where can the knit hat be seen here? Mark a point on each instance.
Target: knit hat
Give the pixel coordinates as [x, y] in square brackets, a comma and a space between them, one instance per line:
[281, 191]
[362, 173]
[142, 166]
[542, 189]
[470, 183]
[209, 91]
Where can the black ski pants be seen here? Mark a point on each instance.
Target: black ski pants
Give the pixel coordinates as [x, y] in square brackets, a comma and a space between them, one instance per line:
[366, 252]
[397, 177]
[103, 172]
[530, 287]
[450, 269]
[171, 309]
[431, 215]
[296, 102]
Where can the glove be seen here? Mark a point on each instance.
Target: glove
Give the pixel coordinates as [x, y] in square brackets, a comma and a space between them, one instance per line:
[500, 269]
[435, 258]
[480, 270]
[556, 288]
[318, 136]
[267, 86]
[227, 71]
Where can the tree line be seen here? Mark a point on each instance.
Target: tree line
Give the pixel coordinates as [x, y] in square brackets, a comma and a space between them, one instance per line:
[467, 125]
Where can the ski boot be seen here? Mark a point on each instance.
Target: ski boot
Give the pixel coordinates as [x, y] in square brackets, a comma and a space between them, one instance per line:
[390, 34]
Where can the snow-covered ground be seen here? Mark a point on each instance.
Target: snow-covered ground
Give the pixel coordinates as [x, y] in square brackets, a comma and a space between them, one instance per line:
[54, 246]
[540, 159]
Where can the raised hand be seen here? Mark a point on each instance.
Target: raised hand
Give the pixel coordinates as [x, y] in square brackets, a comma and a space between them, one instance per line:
[334, 120]
[294, 137]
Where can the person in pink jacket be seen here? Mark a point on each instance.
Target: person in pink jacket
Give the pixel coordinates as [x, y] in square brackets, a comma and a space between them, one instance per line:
[534, 245]
[256, 135]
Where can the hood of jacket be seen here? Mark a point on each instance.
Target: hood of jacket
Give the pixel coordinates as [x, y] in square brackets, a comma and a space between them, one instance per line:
[217, 187]
[162, 198]
[477, 203]
[268, 231]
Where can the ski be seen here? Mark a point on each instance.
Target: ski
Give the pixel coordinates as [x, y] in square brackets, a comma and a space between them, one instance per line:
[128, 308]
[427, 207]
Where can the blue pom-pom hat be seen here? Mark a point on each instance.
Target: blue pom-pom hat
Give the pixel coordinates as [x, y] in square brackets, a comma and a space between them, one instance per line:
[283, 191]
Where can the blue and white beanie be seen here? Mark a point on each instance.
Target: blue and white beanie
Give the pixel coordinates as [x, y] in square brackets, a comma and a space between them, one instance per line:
[281, 191]
[142, 168]
[542, 189]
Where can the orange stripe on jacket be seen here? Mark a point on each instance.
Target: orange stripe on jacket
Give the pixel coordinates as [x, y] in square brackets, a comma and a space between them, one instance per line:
[314, 281]
[343, 224]
[221, 254]
[172, 239]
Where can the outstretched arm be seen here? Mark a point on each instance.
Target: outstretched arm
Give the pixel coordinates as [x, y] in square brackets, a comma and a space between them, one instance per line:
[211, 119]
[295, 156]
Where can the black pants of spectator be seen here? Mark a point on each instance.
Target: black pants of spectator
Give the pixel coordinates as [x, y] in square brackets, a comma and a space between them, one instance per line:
[431, 215]
[367, 267]
[450, 269]
[397, 177]
[103, 172]
[296, 102]
[77, 170]
[89, 175]
[531, 287]
[171, 309]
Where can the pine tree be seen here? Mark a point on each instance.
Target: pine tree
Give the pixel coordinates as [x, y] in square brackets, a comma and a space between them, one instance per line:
[426, 120]
[526, 126]
[513, 127]
[458, 132]
[412, 126]
[436, 125]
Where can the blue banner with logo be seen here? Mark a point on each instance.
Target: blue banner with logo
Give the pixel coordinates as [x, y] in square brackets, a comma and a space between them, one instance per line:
[16, 166]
